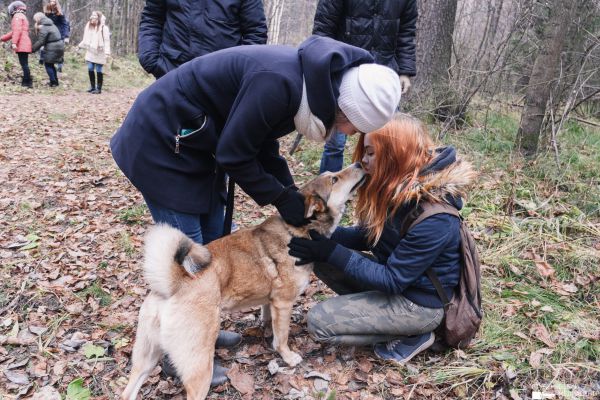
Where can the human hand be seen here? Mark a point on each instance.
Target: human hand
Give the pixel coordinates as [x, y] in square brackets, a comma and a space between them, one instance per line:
[66, 40]
[290, 205]
[404, 83]
[13, 46]
[318, 249]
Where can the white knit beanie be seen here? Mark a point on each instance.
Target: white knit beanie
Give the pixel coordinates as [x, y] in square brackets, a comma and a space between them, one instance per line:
[369, 96]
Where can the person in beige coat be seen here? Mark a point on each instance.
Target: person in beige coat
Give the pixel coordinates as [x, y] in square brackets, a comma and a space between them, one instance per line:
[96, 41]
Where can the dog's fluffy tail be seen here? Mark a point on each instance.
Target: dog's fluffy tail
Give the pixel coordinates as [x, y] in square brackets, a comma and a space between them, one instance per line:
[170, 257]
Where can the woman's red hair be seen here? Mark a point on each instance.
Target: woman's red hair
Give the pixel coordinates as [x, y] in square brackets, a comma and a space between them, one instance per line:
[402, 147]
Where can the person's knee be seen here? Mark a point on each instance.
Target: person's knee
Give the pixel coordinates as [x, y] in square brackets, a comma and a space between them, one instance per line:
[317, 325]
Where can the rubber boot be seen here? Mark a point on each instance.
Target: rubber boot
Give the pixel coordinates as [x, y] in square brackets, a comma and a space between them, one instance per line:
[99, 86]
[219, 373]
[92, 81]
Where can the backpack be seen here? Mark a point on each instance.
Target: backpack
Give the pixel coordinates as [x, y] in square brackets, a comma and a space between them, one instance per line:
[462, 313]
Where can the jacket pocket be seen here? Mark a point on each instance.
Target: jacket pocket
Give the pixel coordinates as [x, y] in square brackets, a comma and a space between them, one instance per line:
[196, 134]
[169, 52]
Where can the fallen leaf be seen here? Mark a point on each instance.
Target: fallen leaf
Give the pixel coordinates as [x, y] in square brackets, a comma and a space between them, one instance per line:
[20, 378]
[535, 358]
[543, 267]
[243, 382]
[542, 334]
[273, 367]
[46, 393]
[316, 374]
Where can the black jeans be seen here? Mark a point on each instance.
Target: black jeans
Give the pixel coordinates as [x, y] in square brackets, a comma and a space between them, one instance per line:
[24, 61]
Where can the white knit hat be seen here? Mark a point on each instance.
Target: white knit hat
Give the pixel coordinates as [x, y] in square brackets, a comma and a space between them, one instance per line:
[369, 96]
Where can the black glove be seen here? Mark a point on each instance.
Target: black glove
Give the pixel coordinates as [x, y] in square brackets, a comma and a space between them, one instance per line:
[290, 205]
[317, 249]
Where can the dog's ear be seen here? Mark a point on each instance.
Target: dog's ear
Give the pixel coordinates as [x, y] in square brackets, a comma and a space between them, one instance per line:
[313, 203]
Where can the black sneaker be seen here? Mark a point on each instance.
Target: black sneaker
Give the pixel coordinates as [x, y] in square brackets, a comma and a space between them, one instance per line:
[403, 350]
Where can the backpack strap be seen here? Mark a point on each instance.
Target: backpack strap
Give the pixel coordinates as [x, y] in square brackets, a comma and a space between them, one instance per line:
[429, 209]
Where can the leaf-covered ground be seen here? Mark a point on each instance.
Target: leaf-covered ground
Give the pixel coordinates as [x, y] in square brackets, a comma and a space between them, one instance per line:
[71, 231]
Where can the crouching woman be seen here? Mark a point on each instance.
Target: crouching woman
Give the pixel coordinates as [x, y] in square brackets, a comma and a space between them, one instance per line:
[389, 301]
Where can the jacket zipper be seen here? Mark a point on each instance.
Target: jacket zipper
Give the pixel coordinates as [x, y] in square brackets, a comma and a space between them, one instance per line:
[177, 143]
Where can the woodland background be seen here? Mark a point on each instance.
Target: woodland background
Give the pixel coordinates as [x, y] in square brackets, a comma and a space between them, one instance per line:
[513, 84]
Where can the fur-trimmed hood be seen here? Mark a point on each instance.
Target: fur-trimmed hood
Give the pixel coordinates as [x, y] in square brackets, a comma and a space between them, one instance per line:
[445, 178]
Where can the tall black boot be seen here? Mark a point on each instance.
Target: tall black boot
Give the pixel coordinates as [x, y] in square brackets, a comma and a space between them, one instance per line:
[26, 82]
[92, 81]
[99, 86]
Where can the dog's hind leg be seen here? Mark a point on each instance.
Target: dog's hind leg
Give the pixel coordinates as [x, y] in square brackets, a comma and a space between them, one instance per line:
[146, 350]
[188, 335]
[281, 311]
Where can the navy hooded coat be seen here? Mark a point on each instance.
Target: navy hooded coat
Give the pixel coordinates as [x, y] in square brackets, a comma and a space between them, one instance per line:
[249, 95]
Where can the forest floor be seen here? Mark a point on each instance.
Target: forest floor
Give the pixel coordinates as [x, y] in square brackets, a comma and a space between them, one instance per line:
[71, 232]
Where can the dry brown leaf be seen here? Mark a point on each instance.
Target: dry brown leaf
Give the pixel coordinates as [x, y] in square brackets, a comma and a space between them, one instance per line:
[543, 267]
[242, 381]
[365, 365]
[541, 333]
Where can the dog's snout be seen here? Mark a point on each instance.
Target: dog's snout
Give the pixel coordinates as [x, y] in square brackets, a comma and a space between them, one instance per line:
[358, 165]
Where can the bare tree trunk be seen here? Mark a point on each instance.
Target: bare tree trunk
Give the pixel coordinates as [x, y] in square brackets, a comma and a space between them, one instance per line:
[435, 27]
[544, 73]
[431, 94]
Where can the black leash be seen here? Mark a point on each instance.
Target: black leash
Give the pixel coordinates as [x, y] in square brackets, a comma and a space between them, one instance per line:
[229, 207]
[296, 143]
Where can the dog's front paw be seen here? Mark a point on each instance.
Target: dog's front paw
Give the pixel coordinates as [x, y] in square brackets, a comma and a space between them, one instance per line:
[292, 359]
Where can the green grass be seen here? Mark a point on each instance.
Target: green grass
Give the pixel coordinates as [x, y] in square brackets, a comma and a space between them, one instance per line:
[121, 72]
[133, 215]
[95, 291]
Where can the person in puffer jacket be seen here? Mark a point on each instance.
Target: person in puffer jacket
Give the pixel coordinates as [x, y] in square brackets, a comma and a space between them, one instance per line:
[54, 47]
[174, 32]
[19, 35]
[389, 301]
[385, 28]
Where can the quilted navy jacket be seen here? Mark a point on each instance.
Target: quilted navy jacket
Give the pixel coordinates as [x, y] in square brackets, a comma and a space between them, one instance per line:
[174, 32]
[386, 28]
[243, 99]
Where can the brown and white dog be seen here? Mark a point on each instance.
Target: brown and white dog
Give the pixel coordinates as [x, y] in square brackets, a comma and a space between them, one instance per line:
[191, 284]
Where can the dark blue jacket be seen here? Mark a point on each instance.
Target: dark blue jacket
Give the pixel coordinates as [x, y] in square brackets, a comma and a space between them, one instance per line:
[402, 261]
[174, 32]
[250, 95]
[385, 27]
[61, 23]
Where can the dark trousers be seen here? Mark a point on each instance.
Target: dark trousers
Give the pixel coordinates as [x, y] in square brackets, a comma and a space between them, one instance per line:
[24, 62]
[51, 71]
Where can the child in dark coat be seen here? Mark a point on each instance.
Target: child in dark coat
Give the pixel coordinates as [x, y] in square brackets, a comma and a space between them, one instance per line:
[54, 47]
[53, 10]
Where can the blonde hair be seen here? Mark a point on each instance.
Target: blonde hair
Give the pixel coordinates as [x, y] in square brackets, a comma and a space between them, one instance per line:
[38, 16]
[100, 22]
[402, 147]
